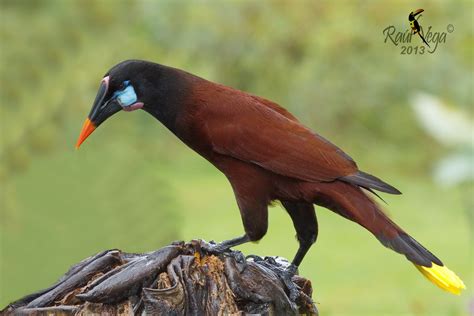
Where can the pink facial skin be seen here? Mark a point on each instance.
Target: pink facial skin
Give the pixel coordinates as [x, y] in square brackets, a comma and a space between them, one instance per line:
[106, 80]
[133, 107]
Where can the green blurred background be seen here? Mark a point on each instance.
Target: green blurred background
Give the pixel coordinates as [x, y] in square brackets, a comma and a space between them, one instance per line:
[134, 186]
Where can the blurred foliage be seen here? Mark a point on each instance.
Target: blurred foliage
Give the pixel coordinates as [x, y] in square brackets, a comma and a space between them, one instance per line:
[453, 128]
[326, 62]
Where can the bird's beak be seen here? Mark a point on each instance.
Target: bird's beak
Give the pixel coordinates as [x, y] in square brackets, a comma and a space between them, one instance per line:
[415, 13]
[87, 128]
[101, 110]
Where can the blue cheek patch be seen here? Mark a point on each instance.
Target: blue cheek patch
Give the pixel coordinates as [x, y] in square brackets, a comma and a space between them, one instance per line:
[126, 97]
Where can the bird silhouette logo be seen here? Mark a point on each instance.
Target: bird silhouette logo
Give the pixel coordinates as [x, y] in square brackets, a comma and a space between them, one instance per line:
[415, 25]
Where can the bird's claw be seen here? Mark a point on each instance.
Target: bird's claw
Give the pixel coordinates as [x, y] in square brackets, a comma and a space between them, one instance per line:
[271, 260]
[293, 269]
[238, 256]
[214, 248]
[220, 248]
[255, 258]
[286, 277]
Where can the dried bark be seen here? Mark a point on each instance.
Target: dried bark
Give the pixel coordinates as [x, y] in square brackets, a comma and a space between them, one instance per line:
[179, 279]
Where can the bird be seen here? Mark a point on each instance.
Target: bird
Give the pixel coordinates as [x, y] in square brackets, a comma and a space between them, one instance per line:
[266, 154]
[415, 26]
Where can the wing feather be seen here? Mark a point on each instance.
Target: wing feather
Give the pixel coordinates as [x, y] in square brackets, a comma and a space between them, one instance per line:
[246, 128]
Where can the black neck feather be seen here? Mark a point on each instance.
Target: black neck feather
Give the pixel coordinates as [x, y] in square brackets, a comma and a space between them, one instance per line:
[165, 91]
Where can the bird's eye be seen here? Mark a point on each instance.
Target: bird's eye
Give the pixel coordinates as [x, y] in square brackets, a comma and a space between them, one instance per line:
[124, 84]
[125, 94]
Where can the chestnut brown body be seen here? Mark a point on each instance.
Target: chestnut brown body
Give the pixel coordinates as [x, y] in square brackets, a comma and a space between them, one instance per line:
[264, 151]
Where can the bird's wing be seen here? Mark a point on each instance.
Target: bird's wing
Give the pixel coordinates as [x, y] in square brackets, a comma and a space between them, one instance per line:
[267, 135]
[275, 107]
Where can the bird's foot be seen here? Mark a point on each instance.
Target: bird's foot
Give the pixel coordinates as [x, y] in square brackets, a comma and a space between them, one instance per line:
[293, 269]
[285, 272]
[222, 248]
[215, 248]
[286, 277]
[255, 258]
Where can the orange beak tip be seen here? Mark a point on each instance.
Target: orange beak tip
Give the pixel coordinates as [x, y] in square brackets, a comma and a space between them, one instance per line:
[87, 129]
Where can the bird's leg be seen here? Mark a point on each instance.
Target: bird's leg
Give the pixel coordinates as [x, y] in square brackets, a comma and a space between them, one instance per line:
[306, 225]
[226, 244]
[292, 269]
[254, 213]
[302, 250]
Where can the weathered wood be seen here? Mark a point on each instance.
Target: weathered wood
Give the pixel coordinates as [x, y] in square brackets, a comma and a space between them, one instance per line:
[179, 279]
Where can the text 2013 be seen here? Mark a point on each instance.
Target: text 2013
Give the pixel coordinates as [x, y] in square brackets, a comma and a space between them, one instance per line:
[415, 50]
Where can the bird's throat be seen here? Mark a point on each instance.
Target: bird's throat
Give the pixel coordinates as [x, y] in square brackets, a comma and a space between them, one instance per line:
[169, 97]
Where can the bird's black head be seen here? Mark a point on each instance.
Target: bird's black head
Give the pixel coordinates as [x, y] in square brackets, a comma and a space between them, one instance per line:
[129, 86]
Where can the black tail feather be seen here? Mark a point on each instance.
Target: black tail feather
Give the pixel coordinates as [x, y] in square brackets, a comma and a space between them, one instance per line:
[412, 249]
[368, 181]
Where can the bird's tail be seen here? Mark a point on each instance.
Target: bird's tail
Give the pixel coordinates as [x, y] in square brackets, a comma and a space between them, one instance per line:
[352, 203]
[442, 277]
[427, 263]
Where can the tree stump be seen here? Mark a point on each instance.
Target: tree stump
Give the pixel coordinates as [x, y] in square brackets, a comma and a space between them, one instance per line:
[179, 279]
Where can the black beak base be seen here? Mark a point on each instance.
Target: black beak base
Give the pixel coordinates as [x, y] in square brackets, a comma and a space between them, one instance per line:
[101, 109]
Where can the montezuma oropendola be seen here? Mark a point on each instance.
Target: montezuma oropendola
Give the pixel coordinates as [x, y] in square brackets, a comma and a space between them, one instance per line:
[266, 154]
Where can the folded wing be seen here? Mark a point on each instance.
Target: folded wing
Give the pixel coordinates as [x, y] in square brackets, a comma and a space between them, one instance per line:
[254, 132]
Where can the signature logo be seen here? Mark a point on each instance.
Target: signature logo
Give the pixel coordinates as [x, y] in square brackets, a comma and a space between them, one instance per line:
[415, 25]
[431, 39]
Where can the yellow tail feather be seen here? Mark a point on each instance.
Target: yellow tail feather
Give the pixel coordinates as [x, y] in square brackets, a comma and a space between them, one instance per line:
[443, 278]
